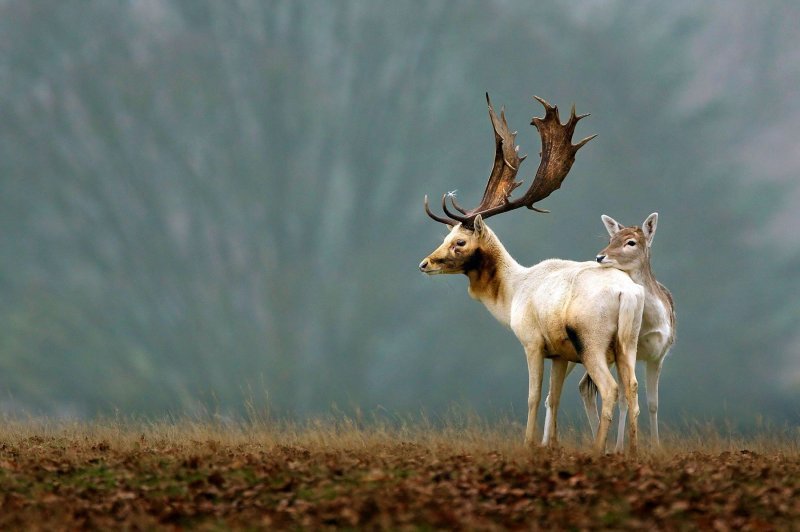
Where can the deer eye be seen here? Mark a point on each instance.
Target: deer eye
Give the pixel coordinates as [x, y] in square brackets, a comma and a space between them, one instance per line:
[630, 243]
[461, 242]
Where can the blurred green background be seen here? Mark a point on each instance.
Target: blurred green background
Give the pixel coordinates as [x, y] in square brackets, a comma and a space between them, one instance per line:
[207, 205]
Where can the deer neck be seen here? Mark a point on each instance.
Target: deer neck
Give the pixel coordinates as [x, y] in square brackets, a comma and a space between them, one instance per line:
[492, 278]
[654, 294]
[645, 277]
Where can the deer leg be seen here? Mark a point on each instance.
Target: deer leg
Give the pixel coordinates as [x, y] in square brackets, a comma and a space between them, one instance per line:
[558, 373]
[627, 373]
[623, 415]
[629, 322]
[535, 373]
[588, 391]
[630, 396]
[598, 371]
[548, 416]
[548, 411]
[653, 373]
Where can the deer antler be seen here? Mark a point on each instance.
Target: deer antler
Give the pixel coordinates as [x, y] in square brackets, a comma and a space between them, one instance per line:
[557, 157]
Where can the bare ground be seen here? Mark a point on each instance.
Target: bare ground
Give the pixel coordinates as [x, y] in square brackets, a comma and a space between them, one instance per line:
[336, 474]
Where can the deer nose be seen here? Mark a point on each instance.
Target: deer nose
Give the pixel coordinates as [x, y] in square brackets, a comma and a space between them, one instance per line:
[423, 265]
[600, 258]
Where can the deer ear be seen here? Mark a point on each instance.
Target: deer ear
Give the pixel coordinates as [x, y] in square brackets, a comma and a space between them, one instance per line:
[478, 226]
[612, 226]
[649, 228]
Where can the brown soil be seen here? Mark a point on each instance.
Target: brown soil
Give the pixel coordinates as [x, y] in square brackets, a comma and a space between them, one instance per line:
[330, 476]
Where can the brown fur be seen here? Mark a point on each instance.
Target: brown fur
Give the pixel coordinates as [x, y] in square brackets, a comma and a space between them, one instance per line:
[482, 273]
[617, 242]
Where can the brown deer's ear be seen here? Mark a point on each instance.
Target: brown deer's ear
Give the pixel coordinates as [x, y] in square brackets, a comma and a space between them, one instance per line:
[478, 226]
[649, 228]
[612, 226]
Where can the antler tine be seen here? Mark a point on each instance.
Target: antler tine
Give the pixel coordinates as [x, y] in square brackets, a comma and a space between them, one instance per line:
[572, 122]
[584, 141]
[458, 207]
[549, 110]
[462, 219]
[435, 217]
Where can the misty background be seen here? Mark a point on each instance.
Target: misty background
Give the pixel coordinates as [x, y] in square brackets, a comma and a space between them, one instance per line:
[218, 205]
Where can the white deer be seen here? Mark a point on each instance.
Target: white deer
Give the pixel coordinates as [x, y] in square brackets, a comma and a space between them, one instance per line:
[562, 310]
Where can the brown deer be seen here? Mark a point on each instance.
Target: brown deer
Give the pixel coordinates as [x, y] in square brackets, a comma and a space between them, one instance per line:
[629, 250]
[562, 310]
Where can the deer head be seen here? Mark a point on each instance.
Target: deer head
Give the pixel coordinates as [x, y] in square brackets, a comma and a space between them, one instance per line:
[461, 250]
[629, 247]
[467, 228]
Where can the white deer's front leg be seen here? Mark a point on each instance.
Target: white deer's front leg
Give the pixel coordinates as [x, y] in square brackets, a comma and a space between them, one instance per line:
[549, 412]
[535, 372]
[558, 373]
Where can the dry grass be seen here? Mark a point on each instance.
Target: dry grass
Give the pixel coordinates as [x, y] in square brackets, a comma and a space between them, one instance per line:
[340, 472]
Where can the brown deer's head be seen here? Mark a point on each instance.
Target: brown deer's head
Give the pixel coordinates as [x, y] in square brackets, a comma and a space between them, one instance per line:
[463, 246]
[629, 247]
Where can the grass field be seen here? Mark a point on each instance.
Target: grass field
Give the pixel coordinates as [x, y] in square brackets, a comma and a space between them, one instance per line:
[336, 473]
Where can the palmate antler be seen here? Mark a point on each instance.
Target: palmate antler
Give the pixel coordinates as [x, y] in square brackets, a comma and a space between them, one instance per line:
[557, 156]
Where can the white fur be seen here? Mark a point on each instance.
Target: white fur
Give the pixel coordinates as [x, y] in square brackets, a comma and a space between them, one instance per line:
[603, 305]
[655, 340]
